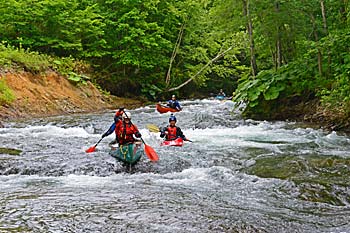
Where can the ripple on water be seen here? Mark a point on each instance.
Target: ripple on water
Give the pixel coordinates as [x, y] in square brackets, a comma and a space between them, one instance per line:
[237, 176]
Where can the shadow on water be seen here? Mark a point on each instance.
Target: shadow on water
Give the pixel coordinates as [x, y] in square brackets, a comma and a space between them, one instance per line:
[322, 179]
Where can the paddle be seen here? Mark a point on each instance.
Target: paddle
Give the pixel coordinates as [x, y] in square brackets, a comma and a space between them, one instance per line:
[152, 155]
[93, 148]
[155, 129]
[150, 152]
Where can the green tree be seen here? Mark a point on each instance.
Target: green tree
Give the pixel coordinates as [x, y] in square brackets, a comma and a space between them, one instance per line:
[62, 27]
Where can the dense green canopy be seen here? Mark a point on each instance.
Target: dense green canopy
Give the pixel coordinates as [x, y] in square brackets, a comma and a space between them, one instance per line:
[274, 49]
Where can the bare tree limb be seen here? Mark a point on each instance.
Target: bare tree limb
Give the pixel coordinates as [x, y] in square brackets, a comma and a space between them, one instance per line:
[173, 55]
[200, 71]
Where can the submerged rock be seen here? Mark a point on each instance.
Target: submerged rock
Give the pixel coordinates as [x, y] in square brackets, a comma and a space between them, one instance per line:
[10, 151]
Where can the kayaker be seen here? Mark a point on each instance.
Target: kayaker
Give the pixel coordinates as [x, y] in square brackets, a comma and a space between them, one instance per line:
[124, 129]
[173, 103]
[171, 132]
[117, 117]
[221, 93]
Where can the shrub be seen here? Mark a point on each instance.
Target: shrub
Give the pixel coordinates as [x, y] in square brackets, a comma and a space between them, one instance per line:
[6, 94]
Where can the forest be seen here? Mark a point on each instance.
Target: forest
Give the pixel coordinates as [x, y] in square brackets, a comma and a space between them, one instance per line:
[267, 54]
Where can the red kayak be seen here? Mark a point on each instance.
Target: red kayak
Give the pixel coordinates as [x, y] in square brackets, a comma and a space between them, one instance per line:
[164, 109]
[176, 142]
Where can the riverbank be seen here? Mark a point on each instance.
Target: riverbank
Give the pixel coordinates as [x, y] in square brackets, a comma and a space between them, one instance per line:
[311, 112]
[49, 94]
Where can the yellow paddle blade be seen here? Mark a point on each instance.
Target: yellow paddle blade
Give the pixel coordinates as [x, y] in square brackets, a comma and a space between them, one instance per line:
[153, 128]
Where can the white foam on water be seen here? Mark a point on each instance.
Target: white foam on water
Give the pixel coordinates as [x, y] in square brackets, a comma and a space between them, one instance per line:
[45, 131]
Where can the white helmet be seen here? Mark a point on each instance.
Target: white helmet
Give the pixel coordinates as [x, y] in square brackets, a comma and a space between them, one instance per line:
[126, 115]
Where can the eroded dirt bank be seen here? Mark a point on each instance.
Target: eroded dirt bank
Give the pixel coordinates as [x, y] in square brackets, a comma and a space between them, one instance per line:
[51, 94]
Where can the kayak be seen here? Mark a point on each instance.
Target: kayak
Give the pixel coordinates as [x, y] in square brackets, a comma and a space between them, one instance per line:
[163, 109]
[128, 154]
[176, 142]
[220, 97]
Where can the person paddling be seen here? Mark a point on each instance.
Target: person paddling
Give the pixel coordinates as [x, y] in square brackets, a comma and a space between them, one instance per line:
[129, 150]
[171, 131]
[117, 117]
[174, 103]
[221, 93]
[124, 129]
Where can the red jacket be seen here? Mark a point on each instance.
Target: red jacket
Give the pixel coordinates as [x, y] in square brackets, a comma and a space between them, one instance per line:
[125, 132]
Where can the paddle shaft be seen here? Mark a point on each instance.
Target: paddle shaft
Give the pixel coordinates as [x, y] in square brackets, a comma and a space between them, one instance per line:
[92, 149]
[98, 142]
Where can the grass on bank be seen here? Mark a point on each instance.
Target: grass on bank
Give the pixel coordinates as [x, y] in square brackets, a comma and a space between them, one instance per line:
[19, 59]
[6, 94]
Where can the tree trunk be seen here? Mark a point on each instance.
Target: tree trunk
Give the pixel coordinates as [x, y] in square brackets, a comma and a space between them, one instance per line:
[319, 54]
[249, 26]
[278, 41]
[324, 18]
[325, 30]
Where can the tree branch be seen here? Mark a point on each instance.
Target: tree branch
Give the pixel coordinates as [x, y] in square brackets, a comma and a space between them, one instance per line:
[177, 45]
[200, 71]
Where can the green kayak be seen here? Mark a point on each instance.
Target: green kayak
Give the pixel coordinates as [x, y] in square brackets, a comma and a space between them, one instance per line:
[129, 154]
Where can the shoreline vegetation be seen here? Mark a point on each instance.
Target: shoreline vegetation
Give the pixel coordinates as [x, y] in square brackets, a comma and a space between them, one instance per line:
[36, 85]
[50, 94]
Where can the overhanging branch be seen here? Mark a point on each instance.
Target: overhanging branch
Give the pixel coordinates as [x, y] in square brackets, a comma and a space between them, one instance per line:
[201, 70]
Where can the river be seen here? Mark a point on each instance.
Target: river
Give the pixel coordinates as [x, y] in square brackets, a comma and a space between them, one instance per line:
[236, 176]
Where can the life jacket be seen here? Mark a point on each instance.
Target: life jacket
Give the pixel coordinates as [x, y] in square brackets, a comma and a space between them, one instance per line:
[171, 133]
[125, 132]
[172, 104]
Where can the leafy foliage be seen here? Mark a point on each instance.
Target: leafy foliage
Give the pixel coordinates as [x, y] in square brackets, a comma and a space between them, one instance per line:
[300, 47]
[13, 58]
[78, 79]
[31, 61]
[302, 50]
[6, 94]
[336, 95]
[61, 27]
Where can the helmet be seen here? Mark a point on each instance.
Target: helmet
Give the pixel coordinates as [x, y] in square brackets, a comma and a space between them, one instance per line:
[172, 118]
[126, 115]
[173, 96]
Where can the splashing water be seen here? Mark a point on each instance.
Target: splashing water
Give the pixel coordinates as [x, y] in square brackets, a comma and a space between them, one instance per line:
[237, 176]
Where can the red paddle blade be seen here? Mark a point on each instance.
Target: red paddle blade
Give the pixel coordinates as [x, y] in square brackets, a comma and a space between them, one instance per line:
[91, 149]
[151, 154]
